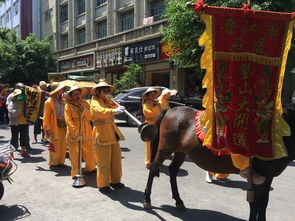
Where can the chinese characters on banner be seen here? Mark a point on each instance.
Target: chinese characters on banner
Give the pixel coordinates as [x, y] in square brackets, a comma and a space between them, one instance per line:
[247, 54]
[32, 103]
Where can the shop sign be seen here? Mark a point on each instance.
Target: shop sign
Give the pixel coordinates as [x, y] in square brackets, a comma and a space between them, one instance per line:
[109, 58]
[76, 63]
[140, 52]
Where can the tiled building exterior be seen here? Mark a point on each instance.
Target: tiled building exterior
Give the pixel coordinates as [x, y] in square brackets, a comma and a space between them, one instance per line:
[97, 37]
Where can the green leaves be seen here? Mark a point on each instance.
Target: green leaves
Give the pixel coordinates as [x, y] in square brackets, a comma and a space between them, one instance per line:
[26, 61]
[130, 78]
[184, 27]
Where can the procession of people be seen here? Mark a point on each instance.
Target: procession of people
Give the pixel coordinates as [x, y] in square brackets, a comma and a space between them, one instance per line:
[69, 122]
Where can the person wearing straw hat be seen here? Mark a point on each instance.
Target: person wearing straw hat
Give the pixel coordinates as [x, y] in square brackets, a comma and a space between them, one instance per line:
[106, 137]
[18, 123]
[54, 125]
[38, 129]
[78, 117]
[164, 98]
[151, 109]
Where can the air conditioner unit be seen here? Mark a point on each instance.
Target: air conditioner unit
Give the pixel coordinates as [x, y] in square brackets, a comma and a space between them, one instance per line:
[148, 20]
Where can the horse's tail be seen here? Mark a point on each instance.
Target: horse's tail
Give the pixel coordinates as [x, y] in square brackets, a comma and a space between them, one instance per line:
[155, 141]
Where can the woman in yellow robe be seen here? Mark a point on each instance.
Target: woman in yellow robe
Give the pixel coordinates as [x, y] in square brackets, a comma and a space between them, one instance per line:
[151, 109]
[78, 117]
[106, 137]
[54, 125]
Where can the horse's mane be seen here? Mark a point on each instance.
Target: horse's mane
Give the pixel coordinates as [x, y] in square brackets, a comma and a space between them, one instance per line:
[289, 117]
[160, 117]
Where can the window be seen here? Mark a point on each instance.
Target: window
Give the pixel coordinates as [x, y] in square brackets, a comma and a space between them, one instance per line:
[17, 31]
[127, 21]
[157, 9]
[102, 29]
[63, 13]
[64, 41]
[48, 14]
[81, 6]
[81, 35]
[100, 2]
[15, 8]
[7, 16]
[1, 21]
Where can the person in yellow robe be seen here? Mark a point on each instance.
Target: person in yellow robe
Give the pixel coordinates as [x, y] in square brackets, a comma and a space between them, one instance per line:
[106, 137]
[54, 125]
[79, 129]
[151, 109]
[164, 98]
[219, 177]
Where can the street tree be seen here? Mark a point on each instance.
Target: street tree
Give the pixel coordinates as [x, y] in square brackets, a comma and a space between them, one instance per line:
[130, 77]
[26, 61]
[184, 28]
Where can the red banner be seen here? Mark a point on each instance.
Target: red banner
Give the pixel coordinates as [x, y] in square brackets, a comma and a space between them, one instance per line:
[247, 52]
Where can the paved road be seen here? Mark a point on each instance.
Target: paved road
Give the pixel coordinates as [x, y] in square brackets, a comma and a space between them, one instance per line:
[41, 194]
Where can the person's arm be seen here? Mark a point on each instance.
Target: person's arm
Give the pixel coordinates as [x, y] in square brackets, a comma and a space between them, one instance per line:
[46, 119]
[97, 111]
[72, 128]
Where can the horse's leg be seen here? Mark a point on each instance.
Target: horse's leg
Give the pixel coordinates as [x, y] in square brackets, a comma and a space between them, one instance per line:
[259, 205]
[173, 169]
[153, 172]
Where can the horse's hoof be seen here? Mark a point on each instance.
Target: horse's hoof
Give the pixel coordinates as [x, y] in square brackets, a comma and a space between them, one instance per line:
[147, 205]
[180, 206]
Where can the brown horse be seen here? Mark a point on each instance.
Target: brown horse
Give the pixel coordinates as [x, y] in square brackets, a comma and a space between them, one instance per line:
[177, 135]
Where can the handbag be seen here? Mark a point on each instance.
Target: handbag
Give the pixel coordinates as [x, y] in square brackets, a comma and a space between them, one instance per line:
[61, 123]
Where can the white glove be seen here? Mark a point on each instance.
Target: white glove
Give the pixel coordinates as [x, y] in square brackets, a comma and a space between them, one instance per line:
[119, 110]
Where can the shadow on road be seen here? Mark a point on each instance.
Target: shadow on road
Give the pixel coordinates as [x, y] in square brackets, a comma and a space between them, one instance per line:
[14, 212]
[36, 151]
[125, 149]
[192, 214]
[128, 197]
[60, 171]
[165, 169]
[233, 184]
[29, 159]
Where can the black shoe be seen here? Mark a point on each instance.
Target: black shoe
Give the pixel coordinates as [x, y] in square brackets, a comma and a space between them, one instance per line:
[90, 172]
[29, 148]
[105, 190]
[117, 185]
[53, 167]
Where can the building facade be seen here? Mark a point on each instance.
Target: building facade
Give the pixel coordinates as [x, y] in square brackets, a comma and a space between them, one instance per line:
[21, 15]
[98, 37]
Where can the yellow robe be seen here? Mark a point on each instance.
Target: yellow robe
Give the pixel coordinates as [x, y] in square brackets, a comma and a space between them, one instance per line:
[72, 136]
[151, 110]
[58, 135]
[164, 103]
[106, 136]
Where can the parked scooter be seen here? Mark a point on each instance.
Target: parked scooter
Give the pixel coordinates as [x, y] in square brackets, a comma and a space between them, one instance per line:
[7, 165]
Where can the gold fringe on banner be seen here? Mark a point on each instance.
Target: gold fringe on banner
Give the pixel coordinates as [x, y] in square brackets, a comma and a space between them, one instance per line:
[249, 57]
[207, 63]
[280, 127]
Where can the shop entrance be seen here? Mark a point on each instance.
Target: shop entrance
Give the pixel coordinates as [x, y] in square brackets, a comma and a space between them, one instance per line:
[161, 79]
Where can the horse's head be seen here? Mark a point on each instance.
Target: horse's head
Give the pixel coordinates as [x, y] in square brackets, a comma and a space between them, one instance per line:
[289, 117]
